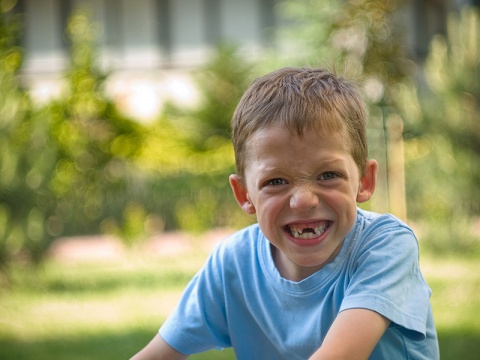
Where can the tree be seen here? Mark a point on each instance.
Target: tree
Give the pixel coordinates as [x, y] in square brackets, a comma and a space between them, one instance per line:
[221, 83]
[15, 179]
[94, 143]
[443, 136]
[64, 166]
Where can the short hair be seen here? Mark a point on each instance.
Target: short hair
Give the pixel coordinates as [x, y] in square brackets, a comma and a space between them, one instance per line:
[301, 99]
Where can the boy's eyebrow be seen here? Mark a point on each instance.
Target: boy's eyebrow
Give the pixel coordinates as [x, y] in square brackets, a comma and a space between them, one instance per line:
[331, 162]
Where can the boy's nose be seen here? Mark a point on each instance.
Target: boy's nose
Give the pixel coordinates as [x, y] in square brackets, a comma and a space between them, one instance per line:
[303, 199]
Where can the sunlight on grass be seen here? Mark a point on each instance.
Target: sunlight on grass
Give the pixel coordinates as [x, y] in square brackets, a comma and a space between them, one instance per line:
[50, 315]
[62, 299]
[110, 310]
[456, 300]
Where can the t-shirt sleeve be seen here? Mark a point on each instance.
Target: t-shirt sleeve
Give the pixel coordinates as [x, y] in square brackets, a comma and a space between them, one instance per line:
[198, 323]
[386, 278]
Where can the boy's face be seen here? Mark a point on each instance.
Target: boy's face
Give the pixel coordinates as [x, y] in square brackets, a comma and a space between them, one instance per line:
[304, 192]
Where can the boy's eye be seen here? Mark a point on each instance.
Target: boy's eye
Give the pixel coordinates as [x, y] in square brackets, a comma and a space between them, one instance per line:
[328, 176]
[276, 182]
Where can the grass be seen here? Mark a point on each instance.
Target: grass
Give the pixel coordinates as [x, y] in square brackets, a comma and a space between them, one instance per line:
[455, 282]
[110, 310]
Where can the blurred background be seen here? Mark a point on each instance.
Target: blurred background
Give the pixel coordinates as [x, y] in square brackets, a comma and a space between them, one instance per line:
[115, 151]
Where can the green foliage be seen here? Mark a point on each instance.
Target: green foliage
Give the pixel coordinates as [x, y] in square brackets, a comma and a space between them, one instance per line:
[221, 82]
[453, 110]
[16, 176]
[360, 37]
[191, 153]
[93, 142]
[76, 166]
[63, 165]
[443, 138]
[307, 29]
[369, 37]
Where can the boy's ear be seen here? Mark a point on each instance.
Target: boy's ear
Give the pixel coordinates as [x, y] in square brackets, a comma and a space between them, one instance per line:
[241, 194]
[368, 182]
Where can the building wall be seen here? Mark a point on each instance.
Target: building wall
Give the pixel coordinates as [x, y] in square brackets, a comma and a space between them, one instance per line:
[144, 33]
[148, 45]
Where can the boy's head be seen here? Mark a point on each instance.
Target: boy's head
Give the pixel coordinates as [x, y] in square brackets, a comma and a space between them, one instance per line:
[301, 100]
[301, 150]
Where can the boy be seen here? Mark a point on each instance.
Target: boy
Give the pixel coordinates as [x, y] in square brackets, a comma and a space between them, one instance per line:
[317, 277]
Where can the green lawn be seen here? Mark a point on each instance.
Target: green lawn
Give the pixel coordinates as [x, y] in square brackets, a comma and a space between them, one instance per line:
[111, 310]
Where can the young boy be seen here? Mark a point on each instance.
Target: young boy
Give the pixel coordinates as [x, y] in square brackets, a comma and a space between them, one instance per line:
[317, 277]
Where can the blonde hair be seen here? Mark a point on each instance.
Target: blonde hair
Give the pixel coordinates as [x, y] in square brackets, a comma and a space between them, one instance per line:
[301, 99]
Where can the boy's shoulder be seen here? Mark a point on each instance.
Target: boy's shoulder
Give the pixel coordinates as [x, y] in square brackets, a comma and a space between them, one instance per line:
[384, 230]
[244, 240]
[249, 233]
[239, 254]
[370, 219]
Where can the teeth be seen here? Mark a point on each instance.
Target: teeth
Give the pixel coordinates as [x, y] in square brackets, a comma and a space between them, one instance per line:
[308, 232]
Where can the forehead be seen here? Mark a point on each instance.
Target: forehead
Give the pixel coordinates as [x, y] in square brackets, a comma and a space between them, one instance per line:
[279, 132]
[278, 141]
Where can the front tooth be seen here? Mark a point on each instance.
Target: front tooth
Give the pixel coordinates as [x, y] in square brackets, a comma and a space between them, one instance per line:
[307, 235]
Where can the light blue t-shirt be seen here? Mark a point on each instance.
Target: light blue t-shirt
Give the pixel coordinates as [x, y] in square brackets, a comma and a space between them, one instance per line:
[239, 298]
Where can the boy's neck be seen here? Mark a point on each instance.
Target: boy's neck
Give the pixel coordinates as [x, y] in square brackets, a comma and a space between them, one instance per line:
[288, 270]
[292, 273]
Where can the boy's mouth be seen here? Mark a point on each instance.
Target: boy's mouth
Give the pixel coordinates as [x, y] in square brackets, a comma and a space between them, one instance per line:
[308, 231]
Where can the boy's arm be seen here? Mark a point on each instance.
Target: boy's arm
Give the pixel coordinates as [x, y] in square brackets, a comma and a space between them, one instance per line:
[353, 335]
[158, 349]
